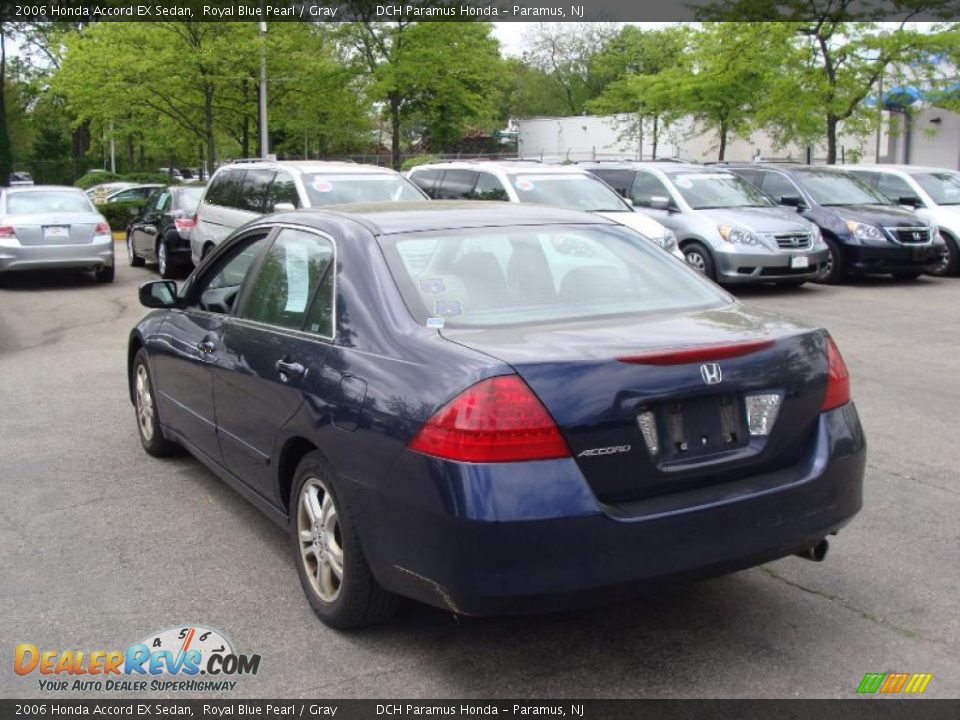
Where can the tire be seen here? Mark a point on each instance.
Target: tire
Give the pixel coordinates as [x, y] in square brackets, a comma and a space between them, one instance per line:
[318, 538]
[166, 268]
[135, 260]
[909, 275]
[791, 283]
[105, 273]
[951, 258]
[148, 419]
[835, 270]
[700, 259]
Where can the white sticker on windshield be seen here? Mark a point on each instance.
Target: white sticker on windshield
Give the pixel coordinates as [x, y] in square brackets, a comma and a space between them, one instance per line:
[684, 183]
[298, 278]
[435, 322]
[321, 185]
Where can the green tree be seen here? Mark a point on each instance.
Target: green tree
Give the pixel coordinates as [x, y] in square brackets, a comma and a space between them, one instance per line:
[6, 151]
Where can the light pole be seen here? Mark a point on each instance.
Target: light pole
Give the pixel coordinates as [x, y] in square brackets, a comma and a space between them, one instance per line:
[264, 132]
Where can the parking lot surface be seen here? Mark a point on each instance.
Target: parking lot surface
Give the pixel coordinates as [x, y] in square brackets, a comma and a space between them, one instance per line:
[102, 545]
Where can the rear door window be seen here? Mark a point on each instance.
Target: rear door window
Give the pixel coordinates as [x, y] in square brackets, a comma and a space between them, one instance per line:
[457, 185]
[253, 191]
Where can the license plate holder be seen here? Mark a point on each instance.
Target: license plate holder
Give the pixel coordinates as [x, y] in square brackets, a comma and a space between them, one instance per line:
[799, 262]
[702, 426]
[56, 232]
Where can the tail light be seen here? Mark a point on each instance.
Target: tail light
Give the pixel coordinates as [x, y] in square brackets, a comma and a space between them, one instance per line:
[496, 420]
[7, 231]
[838, 379]
[185, 223]
[102, 229]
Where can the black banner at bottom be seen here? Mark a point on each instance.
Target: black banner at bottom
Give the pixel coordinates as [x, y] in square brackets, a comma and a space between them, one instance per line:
[854, 709]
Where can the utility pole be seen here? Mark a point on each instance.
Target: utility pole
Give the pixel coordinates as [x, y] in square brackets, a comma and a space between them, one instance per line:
[264, 132]
[113, 151]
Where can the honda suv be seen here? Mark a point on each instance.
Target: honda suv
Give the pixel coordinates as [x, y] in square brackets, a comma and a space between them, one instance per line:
[244, 190]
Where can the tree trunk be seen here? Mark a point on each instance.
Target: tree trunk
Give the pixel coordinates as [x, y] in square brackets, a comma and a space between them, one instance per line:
[6, 151]
[395, 130]
[208, 129]
[832, 122]
[723, 141]
[656, 134]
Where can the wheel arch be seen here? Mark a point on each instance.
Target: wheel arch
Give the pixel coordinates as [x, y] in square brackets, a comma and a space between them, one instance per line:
[293, 451]
[133, 347]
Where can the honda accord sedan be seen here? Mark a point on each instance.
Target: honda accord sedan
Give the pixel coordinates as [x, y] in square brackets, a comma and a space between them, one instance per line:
[494, 408]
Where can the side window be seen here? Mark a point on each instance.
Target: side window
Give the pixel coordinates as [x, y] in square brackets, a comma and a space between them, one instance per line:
[619, 180]
[645, 188]
[426, 180]
[457, 185]
[282, 190]
[777, 185]
[253, 192]
[223, 188]
[489, 188]
[894, 187]
[218, 291]
[162, 203]
[286, 281]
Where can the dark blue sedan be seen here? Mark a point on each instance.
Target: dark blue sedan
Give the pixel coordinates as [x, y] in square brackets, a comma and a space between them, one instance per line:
[494, 408]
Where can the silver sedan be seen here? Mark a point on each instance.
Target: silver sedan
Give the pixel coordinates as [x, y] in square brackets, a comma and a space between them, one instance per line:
[46, 227]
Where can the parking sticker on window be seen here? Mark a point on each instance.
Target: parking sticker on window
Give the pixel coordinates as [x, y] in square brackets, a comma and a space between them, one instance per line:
[321, 185]
[449, 308]
[683, 182]
[432, 285]
[523, 184]
[298, 278]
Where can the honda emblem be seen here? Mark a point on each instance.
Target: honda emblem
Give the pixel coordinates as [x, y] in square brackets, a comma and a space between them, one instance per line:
[710, 372]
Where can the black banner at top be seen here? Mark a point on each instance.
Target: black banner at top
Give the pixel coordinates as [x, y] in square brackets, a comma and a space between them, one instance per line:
[469, 10]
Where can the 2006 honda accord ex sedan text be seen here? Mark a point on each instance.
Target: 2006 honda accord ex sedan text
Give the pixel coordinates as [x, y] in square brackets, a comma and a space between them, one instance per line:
[494, 408]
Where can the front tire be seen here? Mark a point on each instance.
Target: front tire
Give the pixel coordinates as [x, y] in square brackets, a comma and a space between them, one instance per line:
[950, 264]
[135, 260]
[834, 270]
[333, 570]
[148, 419]
[700, 259]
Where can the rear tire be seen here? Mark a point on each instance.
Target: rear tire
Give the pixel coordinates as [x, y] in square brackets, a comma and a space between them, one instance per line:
[105, 273]
[791, 283]
[333, 570]
[835, 269]
[166, 268]
[700, 259]
[951, 258]
[135, 260]
[148, 419]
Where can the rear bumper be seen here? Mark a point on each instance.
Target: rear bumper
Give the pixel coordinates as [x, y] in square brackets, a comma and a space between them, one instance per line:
[539, 539]
[738, 266]
[866, 260]
[98, 253]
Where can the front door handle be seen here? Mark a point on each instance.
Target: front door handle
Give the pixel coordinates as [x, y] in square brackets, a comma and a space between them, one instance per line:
[206, 346]
[287, 370]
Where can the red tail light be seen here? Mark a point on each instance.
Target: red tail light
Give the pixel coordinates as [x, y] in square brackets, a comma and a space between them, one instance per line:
[7, 231]
[496, 420]
[185, 223]
[696, 353]
[838, 379]
[102, 229]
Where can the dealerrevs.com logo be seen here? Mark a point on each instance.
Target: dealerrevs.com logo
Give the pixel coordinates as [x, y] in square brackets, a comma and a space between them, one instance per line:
[187, 658]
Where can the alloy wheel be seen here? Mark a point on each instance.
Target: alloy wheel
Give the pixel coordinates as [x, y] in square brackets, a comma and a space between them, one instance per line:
[162, 259]
[696, 261]
[131, 256]
[144, 403]
[321, 543]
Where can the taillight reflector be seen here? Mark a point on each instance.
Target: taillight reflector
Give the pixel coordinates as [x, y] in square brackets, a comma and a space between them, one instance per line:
[696, 353]
[497, 420]
[7, 231]
[184, 223]
[102, 229]
[838, 379]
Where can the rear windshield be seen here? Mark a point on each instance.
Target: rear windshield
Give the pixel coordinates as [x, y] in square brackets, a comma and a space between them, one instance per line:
[703, 191]
[491, 277]
[324, 189]
[574, 192]
[47, 201]
[188, 198]
[836, 188]
[943, 188]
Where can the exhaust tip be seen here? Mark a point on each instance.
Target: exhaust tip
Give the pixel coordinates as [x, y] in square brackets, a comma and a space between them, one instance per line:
[816, 553]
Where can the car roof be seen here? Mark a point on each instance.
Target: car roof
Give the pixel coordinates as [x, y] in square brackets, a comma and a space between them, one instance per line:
[528, 167]
[308, 167]
[390, 218]
[36, 188]
[902, 168]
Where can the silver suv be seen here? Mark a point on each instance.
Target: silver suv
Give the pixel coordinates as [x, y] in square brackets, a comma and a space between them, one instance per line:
[727, 229]
[244, 190]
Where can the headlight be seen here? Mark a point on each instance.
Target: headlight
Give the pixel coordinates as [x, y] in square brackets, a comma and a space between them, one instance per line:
[863, 231]
[668, 241]
[738, 235]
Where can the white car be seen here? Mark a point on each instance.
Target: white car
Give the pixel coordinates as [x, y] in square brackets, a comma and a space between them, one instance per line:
[527, 181]
[244, 190]
[933, 193]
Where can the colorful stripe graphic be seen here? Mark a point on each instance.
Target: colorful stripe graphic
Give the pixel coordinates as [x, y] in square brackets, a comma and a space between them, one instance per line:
[893, 683]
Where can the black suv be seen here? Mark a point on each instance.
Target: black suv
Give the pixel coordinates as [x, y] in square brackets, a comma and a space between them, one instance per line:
[865, 231]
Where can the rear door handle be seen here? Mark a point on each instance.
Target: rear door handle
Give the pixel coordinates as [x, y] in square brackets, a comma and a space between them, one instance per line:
[206, 346]
[287, 370]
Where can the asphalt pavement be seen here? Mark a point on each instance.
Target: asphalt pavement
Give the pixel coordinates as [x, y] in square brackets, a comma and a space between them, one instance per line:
[101, 545]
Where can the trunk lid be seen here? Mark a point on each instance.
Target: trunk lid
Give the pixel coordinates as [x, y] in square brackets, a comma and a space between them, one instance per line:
[584, 375]
[54, 228]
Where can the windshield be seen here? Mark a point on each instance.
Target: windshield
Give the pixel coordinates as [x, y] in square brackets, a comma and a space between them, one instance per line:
[829, 187]
[573, 192]
[943, 188]
[48, 201]
[490, 277]
[359, 188]
[704, 191]
[190, 197]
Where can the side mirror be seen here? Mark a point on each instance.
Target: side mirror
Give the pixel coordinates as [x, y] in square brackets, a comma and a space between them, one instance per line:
[284, 207]
[658, 202]
[794, 201]
[909, 200]
[159, 294]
